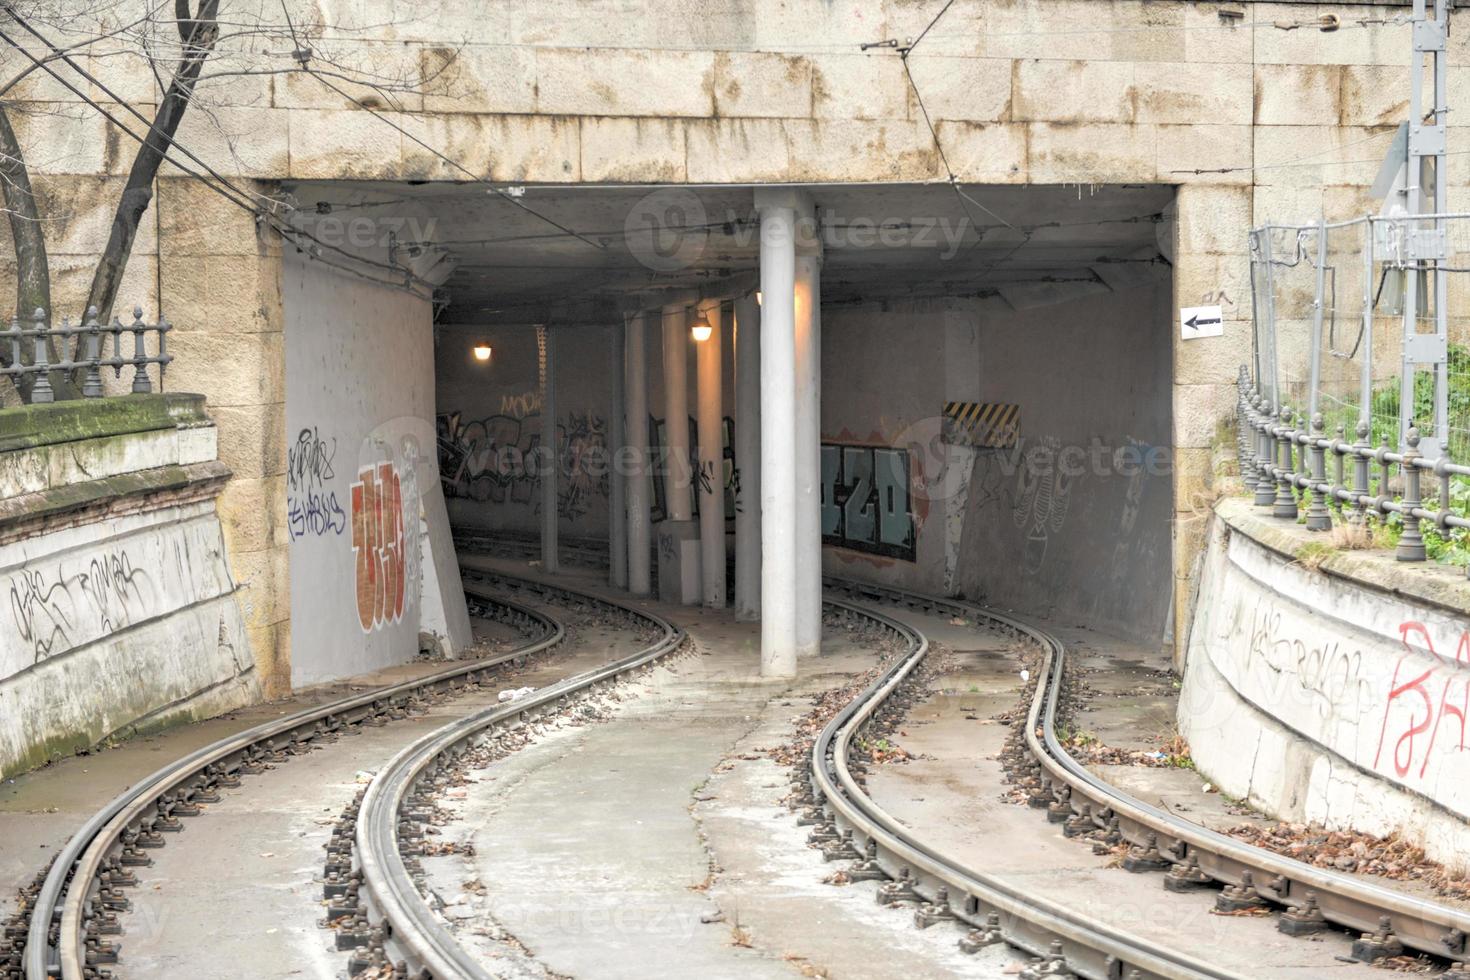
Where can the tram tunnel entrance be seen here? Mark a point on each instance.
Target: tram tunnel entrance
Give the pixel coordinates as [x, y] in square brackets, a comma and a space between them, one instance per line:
[995, 375]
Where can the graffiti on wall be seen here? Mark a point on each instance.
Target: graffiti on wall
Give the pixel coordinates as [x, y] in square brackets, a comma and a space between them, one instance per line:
[379, 546]
[496, 459]
[865, 500]
[1428, 701]
[728, 475]
[52, 605]
[1043, 495]
[312, 509]
[48, 605]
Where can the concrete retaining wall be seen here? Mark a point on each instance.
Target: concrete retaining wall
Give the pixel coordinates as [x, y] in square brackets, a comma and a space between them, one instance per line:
[1336, 694]
[364, 510]
[119, 611]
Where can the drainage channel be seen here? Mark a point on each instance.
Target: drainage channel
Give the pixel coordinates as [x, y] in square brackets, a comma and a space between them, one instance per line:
[395, 932]
[1310, 899]
[75, 911]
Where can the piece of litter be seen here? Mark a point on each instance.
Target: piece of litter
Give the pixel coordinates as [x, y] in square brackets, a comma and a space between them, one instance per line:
[709, 918]
[514, 694]
[1025, 674]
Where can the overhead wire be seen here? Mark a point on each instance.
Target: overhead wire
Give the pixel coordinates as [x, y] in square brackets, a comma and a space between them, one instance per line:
[219, 185]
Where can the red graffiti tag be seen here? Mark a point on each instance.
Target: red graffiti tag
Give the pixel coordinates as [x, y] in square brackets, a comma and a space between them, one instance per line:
[1412, 706]
[377, 542]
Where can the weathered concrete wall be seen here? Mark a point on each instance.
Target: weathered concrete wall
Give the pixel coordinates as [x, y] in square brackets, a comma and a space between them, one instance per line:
[120, 612]
[1086, 489]
[1335, 694]
[360, 466]
[489, 419]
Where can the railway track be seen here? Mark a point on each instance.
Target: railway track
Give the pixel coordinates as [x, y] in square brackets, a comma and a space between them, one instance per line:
[76, 910]
[400, 933]
[1309, 899]
[390, 925]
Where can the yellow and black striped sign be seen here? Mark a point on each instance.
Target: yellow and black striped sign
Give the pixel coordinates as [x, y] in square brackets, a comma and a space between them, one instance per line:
[982, 425]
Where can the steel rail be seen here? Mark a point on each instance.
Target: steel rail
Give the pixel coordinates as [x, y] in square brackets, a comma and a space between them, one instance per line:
[1347, 900]
[411, 933]
[117, 835]
[1027, 921]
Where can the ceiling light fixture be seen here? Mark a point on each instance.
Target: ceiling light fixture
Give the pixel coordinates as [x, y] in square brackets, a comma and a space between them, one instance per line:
[701, 330]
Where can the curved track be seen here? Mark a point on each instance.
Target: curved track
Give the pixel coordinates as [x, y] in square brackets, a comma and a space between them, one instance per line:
[1195, 856]
[406, 934]
[998, 911]
[83, 889]
[82, 895]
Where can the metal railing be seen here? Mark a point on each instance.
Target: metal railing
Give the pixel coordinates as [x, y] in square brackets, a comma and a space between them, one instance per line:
[1278, 460]
[83, 357]
[1360, 383]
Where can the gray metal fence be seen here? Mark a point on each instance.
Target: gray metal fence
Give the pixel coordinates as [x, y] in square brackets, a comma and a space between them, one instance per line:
[1357, 403]
[45, 358]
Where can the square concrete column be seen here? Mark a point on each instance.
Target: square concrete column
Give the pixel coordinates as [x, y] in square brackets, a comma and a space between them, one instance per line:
[617, 514]
[678, 536]
[548, 464]
[634, 461]
[709, 358]
[808, 448]
[747, 458]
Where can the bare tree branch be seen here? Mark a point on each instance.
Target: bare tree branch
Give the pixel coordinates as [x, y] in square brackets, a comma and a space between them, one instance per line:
[198, 34]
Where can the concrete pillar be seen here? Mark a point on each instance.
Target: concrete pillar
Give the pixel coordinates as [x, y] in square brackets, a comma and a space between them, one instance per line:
[808, 313]
[679, 574]
[709, 356]
[678, 483]
[549, 463]
[778, 431]
[635, 460]
[617, 514]
[747, 459]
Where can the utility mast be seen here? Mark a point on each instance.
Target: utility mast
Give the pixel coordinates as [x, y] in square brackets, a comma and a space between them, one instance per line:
[1425, 247]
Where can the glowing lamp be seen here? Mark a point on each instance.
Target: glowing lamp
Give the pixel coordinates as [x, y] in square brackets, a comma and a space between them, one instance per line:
[701, 330]
[482, 351]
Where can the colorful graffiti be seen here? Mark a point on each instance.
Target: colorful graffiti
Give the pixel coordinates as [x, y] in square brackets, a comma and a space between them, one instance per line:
[379, 546]
[865, 500]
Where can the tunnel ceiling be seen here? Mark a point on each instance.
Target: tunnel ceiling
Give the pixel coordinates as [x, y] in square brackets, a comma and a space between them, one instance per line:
[586, 247]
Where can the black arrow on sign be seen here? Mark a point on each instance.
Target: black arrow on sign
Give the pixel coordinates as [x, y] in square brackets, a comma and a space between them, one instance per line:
[1194, 322]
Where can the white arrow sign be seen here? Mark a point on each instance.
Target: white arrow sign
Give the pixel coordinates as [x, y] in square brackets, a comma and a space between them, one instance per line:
[1201, 321]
